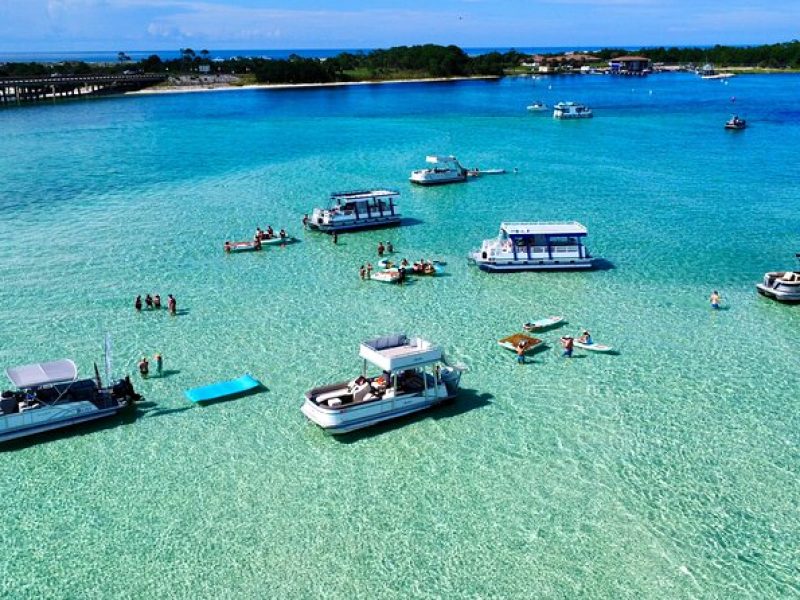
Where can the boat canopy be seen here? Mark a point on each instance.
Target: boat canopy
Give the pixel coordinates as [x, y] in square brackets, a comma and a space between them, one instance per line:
[572, 228]
[364, 195]
[39, 374]
[397, 352]
[433, 159]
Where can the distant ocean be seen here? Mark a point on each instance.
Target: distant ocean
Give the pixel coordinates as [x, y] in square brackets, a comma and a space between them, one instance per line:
[95, 56]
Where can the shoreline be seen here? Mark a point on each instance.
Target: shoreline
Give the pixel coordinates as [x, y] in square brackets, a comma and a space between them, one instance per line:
[175, 89]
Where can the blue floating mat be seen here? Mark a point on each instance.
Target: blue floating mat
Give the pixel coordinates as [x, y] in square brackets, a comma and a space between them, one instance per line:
[223, 389]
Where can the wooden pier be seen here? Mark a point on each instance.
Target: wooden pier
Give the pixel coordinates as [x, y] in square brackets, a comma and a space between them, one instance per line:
[15, 90]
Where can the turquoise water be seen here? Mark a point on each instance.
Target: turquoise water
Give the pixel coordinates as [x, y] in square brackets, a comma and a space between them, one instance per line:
[668, 470]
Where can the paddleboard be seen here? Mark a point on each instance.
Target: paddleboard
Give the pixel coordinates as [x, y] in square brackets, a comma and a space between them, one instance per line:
[592, 347]
[223, 389]
[542, 323]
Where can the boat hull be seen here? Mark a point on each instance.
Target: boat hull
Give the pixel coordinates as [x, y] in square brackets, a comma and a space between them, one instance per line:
[432, 182]
[26, 424]
[336, 422]
[369, 223]
[534, 265]
[781, 296]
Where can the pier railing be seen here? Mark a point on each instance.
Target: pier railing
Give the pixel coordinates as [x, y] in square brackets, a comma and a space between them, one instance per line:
[16, 90]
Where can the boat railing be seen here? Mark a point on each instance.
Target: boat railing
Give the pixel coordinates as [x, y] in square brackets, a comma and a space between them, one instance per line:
[366, 194]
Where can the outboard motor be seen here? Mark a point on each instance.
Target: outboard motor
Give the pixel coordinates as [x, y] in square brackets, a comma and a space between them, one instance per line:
[450, 378]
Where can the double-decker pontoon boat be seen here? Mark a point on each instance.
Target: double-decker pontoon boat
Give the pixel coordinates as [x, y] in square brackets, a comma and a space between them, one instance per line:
[50, 396]
[571, 110]
[412, 380]
[445, 169]
[534, 246]
[359, 209]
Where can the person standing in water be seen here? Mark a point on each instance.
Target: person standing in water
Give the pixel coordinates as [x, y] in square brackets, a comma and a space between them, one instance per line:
[137, 304]
[148, 301]
[568, 343]
[521, 353]
[159, 363]
[715, 299]
[335, 238]
[389, 248]
[172, 305]
[144, 367]
[157, 301]
[305, 221]
[362, 272]
[381, 248]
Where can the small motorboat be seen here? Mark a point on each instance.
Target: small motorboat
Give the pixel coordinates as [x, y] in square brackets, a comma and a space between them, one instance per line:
[540, 324]
[783, 286]
[593, 347]
[537, 106]
[735, 123]
[513, 342]
[387, 276]
[479, 172]
[247, 246]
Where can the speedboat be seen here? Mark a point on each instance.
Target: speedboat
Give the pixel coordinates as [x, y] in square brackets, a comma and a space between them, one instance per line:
[50, 396]
[537, 106]
[534, 246]
[571, 110]
[413, 378]
[783, 286]
[360, 209]
[735, 123]
[445, 169]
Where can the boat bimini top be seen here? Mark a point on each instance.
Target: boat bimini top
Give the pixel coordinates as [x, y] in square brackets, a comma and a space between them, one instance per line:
[41, 374]
[398, 352]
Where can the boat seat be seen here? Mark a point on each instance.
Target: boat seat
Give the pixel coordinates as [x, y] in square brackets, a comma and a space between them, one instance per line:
[360, 393]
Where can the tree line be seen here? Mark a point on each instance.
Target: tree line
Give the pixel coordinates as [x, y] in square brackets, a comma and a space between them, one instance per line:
[776, 56]
[427, 60]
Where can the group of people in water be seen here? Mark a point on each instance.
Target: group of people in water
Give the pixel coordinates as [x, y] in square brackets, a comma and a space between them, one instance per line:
[144, 365]
[154, 303]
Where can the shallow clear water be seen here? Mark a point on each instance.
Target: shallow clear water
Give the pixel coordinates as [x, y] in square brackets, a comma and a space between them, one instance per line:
[668, 470]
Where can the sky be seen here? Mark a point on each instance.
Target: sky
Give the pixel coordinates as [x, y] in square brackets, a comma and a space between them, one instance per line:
[129, 25]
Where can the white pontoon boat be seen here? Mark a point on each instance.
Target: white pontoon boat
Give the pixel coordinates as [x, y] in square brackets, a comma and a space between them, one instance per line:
[445, 169]
[412, 379]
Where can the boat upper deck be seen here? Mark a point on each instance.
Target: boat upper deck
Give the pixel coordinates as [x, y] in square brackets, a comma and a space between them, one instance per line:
[364, 195]
[523, 228]
[394, 352]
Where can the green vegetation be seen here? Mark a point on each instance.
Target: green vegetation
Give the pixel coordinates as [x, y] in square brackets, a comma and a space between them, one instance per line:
[394, 63]
[771, 56]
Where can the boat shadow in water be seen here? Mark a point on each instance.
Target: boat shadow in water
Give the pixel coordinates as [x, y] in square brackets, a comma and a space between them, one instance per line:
[126, 416]
[466, 401]
[601, 264]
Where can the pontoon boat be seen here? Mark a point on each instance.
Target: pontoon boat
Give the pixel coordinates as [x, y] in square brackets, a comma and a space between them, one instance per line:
[445, 169]
[359, 209]
[412, 379]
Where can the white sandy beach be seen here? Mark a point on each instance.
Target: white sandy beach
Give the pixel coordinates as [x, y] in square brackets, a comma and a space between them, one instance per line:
[279, 86]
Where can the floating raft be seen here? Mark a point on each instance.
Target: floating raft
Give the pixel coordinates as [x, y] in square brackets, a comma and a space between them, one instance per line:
[512, 342]
[224, 389]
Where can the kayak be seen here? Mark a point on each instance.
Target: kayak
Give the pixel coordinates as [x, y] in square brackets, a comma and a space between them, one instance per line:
[513, 342]
[542, 323]
[592, 347]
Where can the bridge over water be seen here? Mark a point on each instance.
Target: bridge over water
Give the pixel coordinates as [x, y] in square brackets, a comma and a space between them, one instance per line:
[16, 90]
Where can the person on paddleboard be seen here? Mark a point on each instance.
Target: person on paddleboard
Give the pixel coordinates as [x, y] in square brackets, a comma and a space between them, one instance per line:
[586, 338]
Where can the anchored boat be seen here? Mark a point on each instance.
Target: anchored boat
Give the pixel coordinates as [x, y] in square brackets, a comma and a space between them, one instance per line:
[50, 396]
[445, 169]
[359, 209]
[735, 123]
[413, 378]
[783, 286]
[534, 246]
[571, 110]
